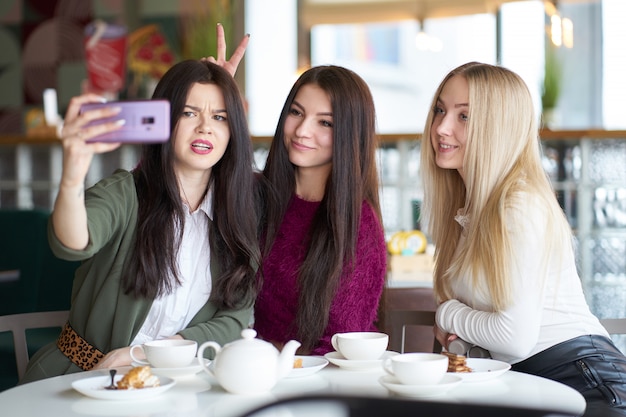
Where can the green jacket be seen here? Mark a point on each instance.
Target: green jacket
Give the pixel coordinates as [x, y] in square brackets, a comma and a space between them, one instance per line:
[100, 311]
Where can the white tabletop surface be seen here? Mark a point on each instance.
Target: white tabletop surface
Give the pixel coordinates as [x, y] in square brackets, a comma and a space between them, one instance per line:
[201, 395]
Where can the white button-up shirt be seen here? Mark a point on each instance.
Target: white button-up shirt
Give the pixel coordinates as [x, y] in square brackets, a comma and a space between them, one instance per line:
[172, 312]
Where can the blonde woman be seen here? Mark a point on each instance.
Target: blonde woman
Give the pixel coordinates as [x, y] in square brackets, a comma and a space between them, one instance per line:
[505, 272]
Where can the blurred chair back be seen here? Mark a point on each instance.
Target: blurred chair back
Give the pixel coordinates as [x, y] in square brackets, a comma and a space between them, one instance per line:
[408, 316]
[617, 330]
[401, 320]
[614, 326]
[19, 324]
[31, 277]
[22, 239]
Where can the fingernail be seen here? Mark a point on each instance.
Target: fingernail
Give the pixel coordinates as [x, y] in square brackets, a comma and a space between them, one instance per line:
[219, 24]
[120, 122]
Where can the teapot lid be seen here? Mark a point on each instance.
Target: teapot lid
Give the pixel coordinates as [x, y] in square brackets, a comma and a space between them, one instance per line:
[248, 334]
[249, 341]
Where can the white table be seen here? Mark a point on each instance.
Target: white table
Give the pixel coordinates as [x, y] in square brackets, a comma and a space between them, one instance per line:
[201, 395]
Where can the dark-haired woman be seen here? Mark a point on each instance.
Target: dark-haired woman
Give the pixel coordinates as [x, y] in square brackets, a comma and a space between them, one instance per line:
[170, 248]
[324, 249]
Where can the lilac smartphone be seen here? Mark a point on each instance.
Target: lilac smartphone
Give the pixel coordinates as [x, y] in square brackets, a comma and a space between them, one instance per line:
[147, 121]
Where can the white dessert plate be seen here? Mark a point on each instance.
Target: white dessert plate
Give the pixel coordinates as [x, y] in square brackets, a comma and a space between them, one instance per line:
[193, 368]
[338, 359]
[482, 370]
[95, 388]
[310, 365]
[447, 383]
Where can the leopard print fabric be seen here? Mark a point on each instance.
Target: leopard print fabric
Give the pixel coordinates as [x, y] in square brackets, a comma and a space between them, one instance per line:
[77, 349]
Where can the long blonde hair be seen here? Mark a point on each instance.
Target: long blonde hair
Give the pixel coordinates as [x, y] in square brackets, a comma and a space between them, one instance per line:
[502, 164]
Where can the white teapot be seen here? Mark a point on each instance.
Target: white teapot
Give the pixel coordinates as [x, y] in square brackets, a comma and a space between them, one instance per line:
[249, 365]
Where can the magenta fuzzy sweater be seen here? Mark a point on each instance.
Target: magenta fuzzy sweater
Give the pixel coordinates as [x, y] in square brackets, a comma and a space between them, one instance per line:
[355, 305]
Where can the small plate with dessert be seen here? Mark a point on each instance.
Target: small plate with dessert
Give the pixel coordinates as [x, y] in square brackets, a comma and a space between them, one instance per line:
[475, 369]
[306, 365]
[137, 383]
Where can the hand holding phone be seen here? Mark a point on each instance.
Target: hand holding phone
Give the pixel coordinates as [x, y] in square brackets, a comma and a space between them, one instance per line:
[147, 121]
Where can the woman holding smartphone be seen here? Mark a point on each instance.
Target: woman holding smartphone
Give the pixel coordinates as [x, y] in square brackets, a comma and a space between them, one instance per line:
[170, 248]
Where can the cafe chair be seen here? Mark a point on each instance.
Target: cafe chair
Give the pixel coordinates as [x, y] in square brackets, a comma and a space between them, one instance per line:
[614, 326]
[19, 324]
[617, 331]
[352, 406]
[408, 315]
[399, 320]
[32, 278]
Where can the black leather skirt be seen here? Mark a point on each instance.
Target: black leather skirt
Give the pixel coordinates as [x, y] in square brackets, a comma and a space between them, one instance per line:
[592, 365]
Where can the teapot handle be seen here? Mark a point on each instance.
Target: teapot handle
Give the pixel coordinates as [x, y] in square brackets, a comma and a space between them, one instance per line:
[213, 345]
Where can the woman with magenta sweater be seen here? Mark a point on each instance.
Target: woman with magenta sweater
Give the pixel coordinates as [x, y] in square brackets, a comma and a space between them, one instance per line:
[324, 252]
[324, 248]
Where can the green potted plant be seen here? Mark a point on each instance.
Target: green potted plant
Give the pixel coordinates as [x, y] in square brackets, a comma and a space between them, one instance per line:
[551, 88]
[199, 38]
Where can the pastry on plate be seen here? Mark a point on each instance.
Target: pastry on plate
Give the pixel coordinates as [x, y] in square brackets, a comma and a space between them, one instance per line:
[138, 377]
[457, 363]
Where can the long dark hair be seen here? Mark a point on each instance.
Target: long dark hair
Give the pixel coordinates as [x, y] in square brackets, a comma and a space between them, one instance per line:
[233, 231]
[335, 227]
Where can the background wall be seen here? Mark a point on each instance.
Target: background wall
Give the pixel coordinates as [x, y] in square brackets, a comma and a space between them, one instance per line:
[42, 44]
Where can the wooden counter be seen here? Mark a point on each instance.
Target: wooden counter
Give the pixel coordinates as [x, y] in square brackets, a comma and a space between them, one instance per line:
[545, 134]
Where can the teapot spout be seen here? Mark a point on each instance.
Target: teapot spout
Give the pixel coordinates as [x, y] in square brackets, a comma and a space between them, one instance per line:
[286, 358]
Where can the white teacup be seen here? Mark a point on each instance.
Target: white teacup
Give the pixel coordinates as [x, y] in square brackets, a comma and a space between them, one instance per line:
[360, 346]
[417, 368]
[166, 353]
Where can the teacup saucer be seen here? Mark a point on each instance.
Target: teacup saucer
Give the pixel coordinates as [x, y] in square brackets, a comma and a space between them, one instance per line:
[94, 387]
[392, 384]
[338, 359]
[193, 368]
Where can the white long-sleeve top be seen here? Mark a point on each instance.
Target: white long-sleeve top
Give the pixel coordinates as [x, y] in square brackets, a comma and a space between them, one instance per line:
[548, 305]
